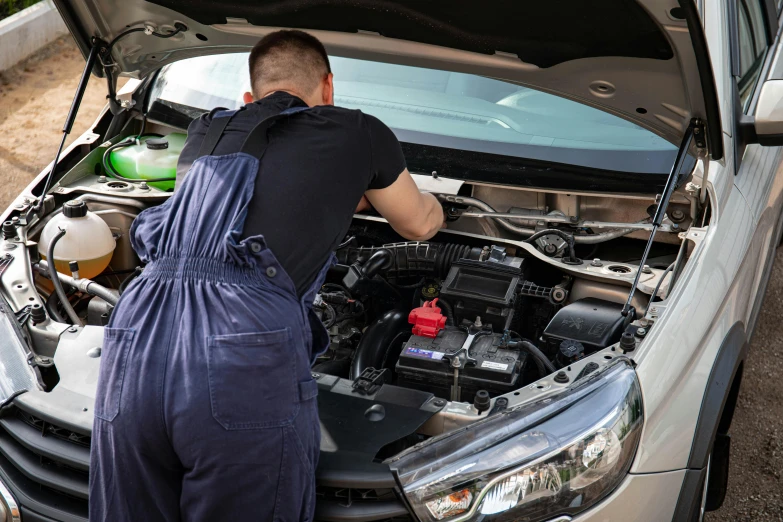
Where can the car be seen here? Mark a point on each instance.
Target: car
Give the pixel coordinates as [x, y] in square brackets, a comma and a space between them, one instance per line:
[569, 348]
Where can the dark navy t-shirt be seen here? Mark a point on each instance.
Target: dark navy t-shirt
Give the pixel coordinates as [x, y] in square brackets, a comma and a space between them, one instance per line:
[317, 166]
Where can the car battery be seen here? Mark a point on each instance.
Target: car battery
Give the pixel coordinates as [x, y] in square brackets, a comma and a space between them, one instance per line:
[425, 364]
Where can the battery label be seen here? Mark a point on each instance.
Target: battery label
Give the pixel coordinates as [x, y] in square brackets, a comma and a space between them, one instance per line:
[494, 366]
[427, 354]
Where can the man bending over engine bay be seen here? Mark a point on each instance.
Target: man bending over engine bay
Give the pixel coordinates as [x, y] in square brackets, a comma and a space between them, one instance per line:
[206, 406]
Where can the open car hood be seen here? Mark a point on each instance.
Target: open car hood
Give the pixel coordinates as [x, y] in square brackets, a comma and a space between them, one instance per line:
[642, 60]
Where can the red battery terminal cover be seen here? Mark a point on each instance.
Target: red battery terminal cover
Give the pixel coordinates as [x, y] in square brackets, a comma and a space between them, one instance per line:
[427, 320]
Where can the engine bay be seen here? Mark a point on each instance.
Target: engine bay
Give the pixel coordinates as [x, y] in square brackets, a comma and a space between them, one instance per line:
[523, 292]
[464, 316]
[462, 321]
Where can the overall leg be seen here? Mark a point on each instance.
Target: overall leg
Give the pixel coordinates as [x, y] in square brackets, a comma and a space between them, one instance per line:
[244, 431]
[134, 474]
[253, 475]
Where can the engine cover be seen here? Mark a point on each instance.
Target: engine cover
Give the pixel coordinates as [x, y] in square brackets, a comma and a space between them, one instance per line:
[424, 364]
[593, 322]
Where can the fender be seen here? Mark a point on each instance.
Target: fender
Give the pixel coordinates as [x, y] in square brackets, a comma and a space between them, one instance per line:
[719, 397]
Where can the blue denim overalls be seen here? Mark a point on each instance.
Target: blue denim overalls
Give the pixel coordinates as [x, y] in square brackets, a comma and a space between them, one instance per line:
[206, 409]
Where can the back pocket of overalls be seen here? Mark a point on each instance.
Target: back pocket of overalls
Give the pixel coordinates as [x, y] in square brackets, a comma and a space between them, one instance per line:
[114, 356]
[252, 379]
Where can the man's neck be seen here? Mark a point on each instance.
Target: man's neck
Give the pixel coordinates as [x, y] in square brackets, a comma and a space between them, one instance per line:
[287, 91]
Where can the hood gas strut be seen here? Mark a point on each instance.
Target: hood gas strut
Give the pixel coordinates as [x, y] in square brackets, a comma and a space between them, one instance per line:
[99, 47]
[695, 131]
[70, 119]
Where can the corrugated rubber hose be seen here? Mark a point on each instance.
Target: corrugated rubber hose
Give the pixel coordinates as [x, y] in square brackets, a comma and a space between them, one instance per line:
[58, 287]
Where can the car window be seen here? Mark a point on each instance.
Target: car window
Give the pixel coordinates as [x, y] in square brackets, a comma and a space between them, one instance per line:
[752, 47]
[444, 109]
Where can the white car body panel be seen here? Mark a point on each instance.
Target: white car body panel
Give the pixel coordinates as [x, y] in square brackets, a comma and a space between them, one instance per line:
[720, 287]
[635, 491]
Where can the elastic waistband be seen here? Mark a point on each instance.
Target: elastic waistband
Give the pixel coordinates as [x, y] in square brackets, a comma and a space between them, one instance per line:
[202, 269]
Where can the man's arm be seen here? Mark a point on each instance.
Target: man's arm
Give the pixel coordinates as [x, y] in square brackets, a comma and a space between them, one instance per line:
[412, 214]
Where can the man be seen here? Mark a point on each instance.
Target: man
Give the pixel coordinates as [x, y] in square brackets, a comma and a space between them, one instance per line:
[206, 407]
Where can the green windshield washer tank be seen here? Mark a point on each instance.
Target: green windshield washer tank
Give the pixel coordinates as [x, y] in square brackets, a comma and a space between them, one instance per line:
[153, 158]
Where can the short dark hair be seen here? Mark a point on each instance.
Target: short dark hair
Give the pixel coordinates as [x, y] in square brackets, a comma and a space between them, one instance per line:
[288, 56]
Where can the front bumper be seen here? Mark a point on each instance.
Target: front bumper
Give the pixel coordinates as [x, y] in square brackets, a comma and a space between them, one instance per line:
[45, 469]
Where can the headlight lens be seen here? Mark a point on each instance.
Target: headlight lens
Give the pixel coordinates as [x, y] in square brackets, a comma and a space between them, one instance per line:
[555, 457]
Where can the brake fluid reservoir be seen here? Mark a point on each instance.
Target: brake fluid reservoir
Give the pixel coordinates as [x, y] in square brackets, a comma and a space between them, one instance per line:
[88, 240]
[153, 158]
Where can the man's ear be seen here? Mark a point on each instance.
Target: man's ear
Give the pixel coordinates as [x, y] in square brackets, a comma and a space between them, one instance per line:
[247, 97]
[328, 90]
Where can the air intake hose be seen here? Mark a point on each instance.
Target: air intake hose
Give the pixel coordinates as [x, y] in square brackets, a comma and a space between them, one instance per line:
[414, 257]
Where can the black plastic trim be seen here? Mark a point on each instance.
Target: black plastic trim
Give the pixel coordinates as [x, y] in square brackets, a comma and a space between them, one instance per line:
[32, 496]
[689, 502]
[771, 17]
[61, 421]
[730, 355]
[382, 479]
[68, 453]
[31, 516]
[711, 105]
[69, 482]
[719, 472]
[770, 140]
[358, 512]
[733, 38]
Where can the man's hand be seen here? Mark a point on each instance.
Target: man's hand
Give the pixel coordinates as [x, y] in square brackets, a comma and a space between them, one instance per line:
[412, 214]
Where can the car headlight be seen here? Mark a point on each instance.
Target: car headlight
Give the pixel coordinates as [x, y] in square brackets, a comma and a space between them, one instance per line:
[16, 374]
[9, 509]
[556, 456]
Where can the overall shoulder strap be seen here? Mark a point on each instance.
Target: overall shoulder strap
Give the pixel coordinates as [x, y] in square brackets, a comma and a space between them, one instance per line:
[214, 132]
[256, 142]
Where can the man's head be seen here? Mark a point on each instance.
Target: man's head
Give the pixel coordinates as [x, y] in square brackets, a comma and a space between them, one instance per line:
[294, 62]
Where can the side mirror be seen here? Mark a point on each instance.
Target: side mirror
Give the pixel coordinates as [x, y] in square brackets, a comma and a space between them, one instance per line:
[768, 122]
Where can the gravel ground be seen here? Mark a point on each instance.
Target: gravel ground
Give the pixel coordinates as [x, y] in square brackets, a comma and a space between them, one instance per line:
[35, 97]
[755, 482]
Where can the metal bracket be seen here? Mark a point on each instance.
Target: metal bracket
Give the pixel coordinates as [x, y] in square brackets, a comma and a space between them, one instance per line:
[699, 133]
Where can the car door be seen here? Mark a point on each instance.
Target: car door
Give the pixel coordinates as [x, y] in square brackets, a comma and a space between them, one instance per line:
[755, 56]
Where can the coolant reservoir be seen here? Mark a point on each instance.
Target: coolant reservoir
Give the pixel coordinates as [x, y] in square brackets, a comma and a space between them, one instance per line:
[153, 158]
[87, 240]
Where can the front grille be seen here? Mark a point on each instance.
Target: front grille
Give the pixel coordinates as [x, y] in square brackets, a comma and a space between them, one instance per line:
[47, 428]
[343, 504]
[46, 466]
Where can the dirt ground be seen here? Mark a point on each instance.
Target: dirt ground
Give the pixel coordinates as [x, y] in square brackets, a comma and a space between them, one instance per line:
[34, 100]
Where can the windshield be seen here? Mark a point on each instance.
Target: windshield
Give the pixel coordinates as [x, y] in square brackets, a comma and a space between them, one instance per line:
[444, 110]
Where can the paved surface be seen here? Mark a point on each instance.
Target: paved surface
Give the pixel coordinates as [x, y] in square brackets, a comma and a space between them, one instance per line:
[35, 98]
